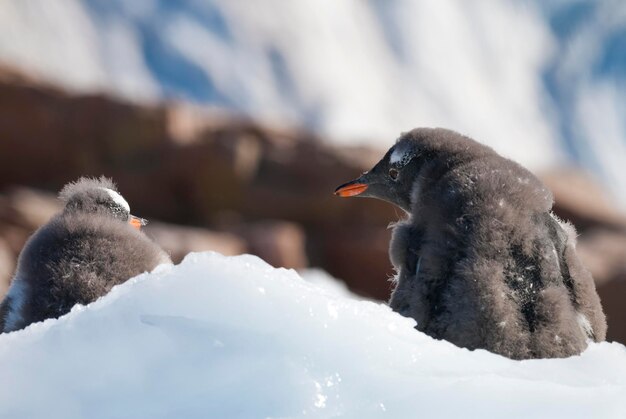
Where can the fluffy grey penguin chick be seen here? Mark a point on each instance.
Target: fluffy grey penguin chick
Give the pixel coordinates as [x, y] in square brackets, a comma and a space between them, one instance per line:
[481, 261]
[78, 256]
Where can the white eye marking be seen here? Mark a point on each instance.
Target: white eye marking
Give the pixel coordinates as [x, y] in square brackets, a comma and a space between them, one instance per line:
[118, 199]
[401, 155]
[396, 156]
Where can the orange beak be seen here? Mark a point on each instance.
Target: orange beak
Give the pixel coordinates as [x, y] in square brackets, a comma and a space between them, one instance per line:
[350, 189]
[137, 222]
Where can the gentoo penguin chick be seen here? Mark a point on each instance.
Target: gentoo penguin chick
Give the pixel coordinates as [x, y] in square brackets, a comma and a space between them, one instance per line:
[481, 261]
[78, 256]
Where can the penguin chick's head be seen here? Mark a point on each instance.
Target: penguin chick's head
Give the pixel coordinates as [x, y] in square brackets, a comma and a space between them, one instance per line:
[421, 154]
[392, 178]
[98, 196]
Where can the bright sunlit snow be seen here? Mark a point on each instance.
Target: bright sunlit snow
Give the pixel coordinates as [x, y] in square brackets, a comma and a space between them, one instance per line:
[233, 337]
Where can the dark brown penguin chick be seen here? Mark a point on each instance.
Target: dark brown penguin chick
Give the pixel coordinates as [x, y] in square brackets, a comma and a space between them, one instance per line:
[481, 261]
[78, 256]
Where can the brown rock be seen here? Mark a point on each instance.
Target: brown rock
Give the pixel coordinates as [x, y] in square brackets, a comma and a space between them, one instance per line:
[22, 211]
[360, 257]
[59, 137]
[177, 162]
[7, 266]
[178, 241]
[281, 244]
[29, 208]
[612, 294]
[15, 236]
[582, 200]
[603, 251]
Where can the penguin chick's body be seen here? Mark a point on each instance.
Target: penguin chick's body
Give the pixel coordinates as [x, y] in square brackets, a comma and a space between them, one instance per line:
[481, 261]
[78, 256]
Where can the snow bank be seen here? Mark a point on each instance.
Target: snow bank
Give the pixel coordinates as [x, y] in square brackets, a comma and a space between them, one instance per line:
[324, 280]
[233, 337]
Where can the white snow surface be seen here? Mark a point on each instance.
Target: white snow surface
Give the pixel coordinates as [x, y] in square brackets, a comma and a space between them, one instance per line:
[233, 337]
[324, 280]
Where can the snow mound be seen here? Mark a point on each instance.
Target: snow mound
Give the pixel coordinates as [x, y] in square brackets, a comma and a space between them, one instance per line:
[233, 337]
[324, 280]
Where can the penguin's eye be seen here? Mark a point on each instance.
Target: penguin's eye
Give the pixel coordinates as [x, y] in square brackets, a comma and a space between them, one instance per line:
[393, 174]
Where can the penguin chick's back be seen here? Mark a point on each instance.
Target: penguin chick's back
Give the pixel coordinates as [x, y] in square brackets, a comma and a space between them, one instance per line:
[77, 258]
[483, 264]
[480, 261]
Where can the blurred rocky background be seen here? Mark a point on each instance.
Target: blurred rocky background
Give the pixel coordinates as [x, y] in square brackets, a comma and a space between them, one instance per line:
[229, 125]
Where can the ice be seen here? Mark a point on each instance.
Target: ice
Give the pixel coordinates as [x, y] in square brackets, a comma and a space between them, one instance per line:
[200, 340]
